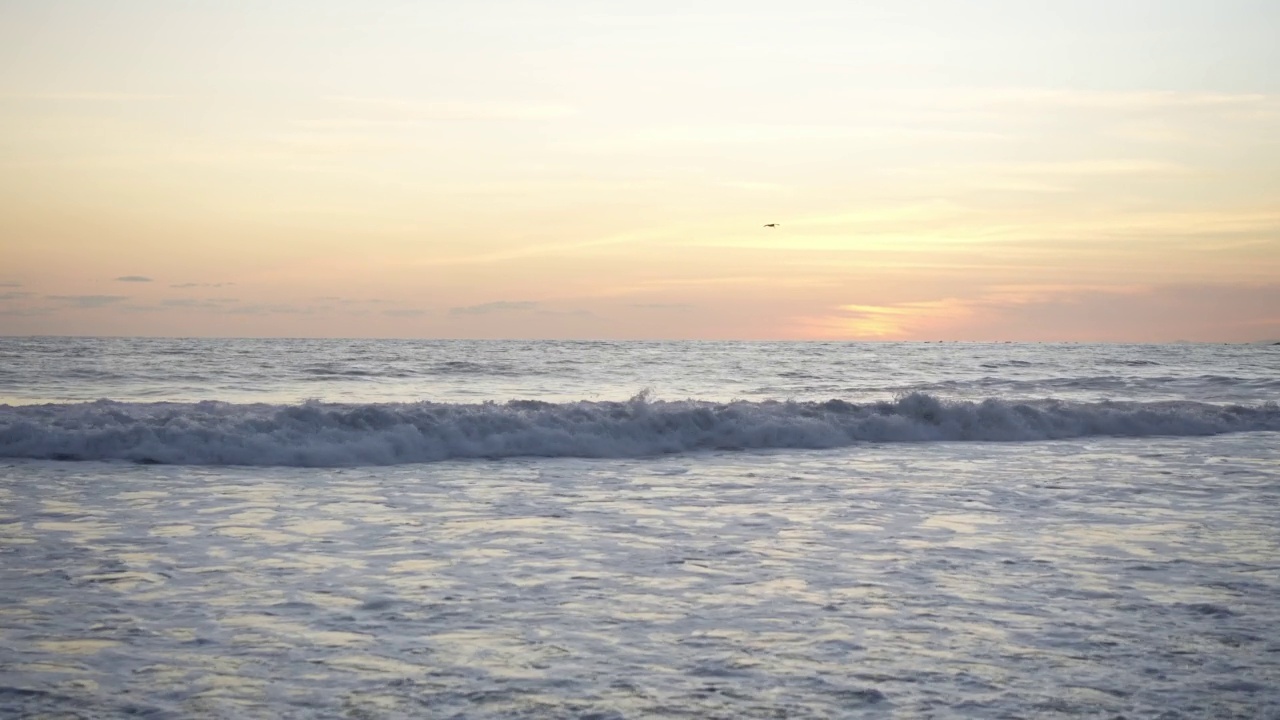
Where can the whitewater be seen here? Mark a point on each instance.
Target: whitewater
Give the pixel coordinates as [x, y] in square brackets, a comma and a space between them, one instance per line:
[387, 529]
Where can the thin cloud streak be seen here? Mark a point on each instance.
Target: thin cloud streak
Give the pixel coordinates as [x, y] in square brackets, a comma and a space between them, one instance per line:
[87, 97]
[494, 307]
[1100, 99]
[453, 110]
[212, 304]
[88, 301]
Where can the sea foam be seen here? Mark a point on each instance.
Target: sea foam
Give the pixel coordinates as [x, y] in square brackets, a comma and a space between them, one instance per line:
[316, 434]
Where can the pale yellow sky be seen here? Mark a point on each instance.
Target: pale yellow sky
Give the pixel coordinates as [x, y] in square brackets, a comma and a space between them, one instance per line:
[940, 170]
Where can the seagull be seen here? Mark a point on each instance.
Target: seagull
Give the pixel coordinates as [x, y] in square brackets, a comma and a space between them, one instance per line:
[771, 225]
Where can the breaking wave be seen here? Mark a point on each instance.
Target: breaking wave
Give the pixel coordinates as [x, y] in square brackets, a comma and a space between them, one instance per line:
[316, 434]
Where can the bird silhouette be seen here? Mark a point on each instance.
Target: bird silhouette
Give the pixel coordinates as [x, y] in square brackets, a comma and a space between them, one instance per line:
[771, 225]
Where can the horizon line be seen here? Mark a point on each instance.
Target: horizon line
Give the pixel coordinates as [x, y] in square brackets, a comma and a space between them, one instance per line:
[880, 341]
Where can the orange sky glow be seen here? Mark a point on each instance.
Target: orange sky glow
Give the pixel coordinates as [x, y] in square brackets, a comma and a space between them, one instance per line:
[1094, 171]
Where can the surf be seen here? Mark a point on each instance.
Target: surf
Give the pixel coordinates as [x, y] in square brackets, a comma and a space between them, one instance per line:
[319, 434]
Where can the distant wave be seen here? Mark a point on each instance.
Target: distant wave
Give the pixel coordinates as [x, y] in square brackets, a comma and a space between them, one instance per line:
[318, 434]
[338, 371]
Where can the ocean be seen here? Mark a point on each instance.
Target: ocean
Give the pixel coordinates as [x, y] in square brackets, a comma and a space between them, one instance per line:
[520, 529]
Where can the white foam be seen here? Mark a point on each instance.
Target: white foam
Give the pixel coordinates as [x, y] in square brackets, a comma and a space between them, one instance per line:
[327, 435]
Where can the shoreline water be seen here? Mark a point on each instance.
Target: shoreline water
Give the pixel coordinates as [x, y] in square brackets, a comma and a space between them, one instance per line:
[814, 570]
[1131, 577]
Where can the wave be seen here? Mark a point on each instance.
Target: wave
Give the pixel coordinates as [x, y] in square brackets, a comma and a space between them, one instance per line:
[1129, 363]
[316, 434]
[339, 371]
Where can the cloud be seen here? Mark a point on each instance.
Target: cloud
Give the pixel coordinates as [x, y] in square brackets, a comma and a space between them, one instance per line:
[266, 309]
[11, 303]
[753, 186]
[1111, 166]
[88, 301]
[458, 110]
[349, 301]
[957, 228]
[501, 306]
[1065, 99]
[659, 137]
[199, 303]
[1139, 99]
[90, 97]
[662, 305]
[10, 284]
[567, 313]
[404, 313]
[1213, 312]
[133, 278]
[24, 311]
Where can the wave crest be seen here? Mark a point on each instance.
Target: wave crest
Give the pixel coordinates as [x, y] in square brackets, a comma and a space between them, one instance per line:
[316, 434]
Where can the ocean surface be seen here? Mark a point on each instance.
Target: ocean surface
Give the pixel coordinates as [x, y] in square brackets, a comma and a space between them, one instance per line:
[455, 529]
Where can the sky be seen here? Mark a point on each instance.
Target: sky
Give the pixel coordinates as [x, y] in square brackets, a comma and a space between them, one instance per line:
[939, 170]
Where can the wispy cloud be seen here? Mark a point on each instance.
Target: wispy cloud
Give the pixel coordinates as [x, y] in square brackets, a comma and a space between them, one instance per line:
[1110, 166]
[87, 97]
[13, 303]
[406, 312]
[88, 301]
[23, 311]
[494, 307]
[10, 284]
[928, 230]
[751, 186]
[215, 304]
[269, 309]
[567, 313]
[662, 306]
[457, 109]
[133, 279]
[661, 137]
[349, 301]
[345, 124]
[1136, 99]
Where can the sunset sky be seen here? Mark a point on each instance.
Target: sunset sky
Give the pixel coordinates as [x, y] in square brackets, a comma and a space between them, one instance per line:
[940, 170]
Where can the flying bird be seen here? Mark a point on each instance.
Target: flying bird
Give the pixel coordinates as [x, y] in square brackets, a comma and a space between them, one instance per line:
[771, 225]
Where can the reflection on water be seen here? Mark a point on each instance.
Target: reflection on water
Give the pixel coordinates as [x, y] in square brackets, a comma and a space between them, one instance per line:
[1054, 579]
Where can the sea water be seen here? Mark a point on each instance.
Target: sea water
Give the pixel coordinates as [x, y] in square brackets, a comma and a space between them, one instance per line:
[386, 529]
